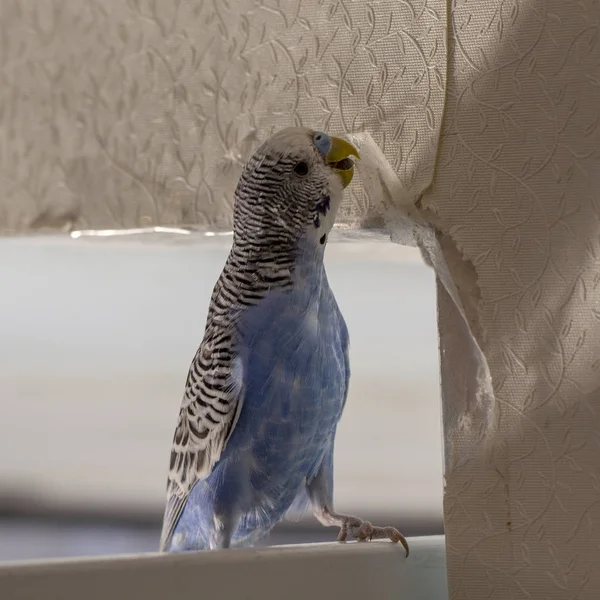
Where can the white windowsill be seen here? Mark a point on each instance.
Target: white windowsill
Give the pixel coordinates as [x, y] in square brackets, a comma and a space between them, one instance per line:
[376, 570]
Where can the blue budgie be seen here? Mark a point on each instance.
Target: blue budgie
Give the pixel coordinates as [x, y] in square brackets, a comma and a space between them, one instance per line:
[266, 389]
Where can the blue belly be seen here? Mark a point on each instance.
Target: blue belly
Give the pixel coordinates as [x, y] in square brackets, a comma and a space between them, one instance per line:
[292, 348]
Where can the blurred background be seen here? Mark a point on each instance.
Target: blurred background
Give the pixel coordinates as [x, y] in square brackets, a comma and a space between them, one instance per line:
[96, 336]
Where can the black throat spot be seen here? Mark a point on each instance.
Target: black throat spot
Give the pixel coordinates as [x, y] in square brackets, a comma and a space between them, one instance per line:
[324, 205]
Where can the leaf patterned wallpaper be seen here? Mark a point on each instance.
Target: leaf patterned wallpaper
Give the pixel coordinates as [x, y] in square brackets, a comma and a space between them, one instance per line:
[142, 112]
[516, 201]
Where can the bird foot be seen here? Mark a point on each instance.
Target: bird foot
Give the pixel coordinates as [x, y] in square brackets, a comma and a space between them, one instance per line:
[364, 531]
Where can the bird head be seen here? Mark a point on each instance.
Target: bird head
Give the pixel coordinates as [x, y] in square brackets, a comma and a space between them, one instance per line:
[292, 187]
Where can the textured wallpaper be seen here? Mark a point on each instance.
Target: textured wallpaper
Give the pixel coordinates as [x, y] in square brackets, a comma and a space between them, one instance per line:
[119, 113]
[516, 200]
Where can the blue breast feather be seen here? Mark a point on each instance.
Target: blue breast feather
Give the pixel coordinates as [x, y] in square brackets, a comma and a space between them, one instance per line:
[292, 352]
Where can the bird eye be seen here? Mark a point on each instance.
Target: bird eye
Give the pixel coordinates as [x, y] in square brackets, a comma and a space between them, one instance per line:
[301, 169]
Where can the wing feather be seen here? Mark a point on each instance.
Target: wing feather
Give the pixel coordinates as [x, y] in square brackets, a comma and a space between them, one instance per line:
[209, 410]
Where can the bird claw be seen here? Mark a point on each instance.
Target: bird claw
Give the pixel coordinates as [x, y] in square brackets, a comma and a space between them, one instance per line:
[356, 527]
[389, 533]
[363, 531]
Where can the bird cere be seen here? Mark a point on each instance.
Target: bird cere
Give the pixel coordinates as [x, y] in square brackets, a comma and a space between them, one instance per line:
[266, 389]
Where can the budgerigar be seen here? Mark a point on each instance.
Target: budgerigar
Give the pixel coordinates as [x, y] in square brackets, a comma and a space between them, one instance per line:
[266, 389]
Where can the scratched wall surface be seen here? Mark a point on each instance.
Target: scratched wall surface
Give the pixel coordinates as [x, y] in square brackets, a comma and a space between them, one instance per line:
[516, 200]
[118, 114]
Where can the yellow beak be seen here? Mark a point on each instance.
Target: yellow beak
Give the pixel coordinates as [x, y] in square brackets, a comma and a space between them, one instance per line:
[338, 158]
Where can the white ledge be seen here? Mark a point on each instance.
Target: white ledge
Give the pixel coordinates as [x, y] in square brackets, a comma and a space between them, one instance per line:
[375, 570]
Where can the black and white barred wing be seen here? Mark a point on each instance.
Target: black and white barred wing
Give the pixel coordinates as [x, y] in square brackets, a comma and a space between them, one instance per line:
[210, 408]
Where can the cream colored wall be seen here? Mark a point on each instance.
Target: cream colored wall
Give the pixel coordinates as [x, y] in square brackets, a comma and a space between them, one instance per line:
[141, 112]
[516, 200]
